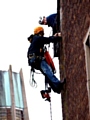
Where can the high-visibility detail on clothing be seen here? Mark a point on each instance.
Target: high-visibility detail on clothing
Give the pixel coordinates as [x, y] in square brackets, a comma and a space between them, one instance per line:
[49, 60]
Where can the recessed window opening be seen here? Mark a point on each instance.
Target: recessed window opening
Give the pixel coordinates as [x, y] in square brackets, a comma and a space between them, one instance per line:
[87, 59]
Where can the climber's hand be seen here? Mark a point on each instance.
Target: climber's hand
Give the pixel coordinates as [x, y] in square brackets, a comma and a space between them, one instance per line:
[58, 34]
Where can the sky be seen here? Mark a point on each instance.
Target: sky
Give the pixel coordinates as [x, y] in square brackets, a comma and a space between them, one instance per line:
[18, 18]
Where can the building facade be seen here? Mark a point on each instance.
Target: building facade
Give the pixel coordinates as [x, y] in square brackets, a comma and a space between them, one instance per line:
[75, 59]
[13, 105]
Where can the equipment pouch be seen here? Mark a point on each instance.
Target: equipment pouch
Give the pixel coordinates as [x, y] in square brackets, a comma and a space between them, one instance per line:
[35, 62]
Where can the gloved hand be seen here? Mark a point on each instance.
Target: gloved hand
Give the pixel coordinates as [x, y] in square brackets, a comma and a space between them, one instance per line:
[58, 34]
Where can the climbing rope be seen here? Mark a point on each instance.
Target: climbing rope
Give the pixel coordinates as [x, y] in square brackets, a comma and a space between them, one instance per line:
[32, 81]
[50, 109]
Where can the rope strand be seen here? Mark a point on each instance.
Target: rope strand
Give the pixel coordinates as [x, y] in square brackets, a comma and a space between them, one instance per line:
[50, 109]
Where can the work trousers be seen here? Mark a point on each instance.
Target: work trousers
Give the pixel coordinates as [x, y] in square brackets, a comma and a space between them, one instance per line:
[50, 78]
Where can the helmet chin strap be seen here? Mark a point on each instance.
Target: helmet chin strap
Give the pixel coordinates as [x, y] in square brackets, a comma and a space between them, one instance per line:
[41, 33]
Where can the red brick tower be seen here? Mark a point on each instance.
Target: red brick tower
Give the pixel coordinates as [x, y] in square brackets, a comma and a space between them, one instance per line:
[75, 59]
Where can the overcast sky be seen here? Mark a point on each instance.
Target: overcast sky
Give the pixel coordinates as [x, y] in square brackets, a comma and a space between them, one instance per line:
[18, 18]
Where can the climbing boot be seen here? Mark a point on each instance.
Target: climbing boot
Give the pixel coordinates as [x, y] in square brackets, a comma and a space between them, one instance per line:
[63, 83]
[45, 94]
[61, 86]
[48, 99]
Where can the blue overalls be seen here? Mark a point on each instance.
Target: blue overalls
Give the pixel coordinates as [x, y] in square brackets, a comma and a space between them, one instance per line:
[52, 22]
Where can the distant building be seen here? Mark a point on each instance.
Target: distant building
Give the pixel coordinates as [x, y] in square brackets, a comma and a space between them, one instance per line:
[13, 105]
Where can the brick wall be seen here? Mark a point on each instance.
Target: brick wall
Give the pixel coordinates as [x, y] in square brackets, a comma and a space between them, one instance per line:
[75, 24]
